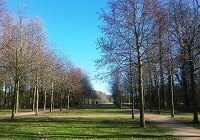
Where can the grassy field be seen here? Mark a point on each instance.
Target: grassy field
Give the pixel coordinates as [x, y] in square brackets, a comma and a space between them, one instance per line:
[103, 122]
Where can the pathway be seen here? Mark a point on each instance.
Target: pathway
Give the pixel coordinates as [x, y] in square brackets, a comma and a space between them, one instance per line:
[25, 114]
[183, 131]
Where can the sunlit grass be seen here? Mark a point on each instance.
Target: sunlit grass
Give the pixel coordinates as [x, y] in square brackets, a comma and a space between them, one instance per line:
[104, 122]
[5, 112]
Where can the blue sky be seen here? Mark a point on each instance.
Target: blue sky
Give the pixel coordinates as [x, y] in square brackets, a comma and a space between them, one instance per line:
[73, 26]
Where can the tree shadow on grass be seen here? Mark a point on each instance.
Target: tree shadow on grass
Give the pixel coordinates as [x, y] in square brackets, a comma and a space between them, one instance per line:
[113, 136]
[82, 136]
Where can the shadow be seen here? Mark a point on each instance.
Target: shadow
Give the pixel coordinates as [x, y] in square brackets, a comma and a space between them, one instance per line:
[111, 136]
[81, 136]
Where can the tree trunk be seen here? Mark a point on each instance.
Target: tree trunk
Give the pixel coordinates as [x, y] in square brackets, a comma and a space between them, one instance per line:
[45, 99]
[184, 76]
[17, 97]
[158, 96]
[141, 94]
[171, 91]
[14, 100]
[52, 90]
[61, 99]
[185, 84]
[157, 92]
[162, 90]
[150, 92]
[120, 97]
[162, 86]
[5, 96]
[131, 84]
[34, 98]
[85, 104]
[36, 93]
[193, 92]
[132, 98]
[68, 101]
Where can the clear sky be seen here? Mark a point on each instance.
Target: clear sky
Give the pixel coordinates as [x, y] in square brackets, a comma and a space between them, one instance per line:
[73, 26]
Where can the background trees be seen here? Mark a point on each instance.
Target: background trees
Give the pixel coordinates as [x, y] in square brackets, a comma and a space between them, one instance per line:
[33, 74]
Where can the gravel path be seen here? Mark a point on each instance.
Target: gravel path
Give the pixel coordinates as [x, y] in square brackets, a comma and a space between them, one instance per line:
[183, 131]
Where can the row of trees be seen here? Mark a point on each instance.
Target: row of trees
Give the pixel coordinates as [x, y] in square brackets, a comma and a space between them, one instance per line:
[32, 74]
[151, 49]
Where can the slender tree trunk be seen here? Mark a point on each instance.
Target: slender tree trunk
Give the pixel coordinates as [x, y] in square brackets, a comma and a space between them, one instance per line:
[162, 90]
[45, 99]
[14, 100]
[132, 99]
[157, 92]
[131, 84]
[68, 101]
[150, 92]
[30, 97]
[11, 96]
[17, 97]
[72, 99]
[5, 96]
[84, 96]
[52, 90]
[171, 91]
[88, 100]
[61, 99]
[120, 98]
[150, 104]
[158, 97]
[36, 93]
[34, 98]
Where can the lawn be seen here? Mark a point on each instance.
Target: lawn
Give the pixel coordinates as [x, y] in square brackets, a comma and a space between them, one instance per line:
[104, 122]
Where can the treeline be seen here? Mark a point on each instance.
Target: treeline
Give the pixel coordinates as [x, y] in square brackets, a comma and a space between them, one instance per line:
[102, 97]
[32, 74]
[152, 51]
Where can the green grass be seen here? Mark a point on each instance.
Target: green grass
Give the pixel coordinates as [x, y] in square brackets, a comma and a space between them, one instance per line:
[104, 122]
[5, 112]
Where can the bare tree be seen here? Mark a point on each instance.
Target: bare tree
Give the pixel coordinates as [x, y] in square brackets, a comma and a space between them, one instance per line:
[129, 25]
[186, 19]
